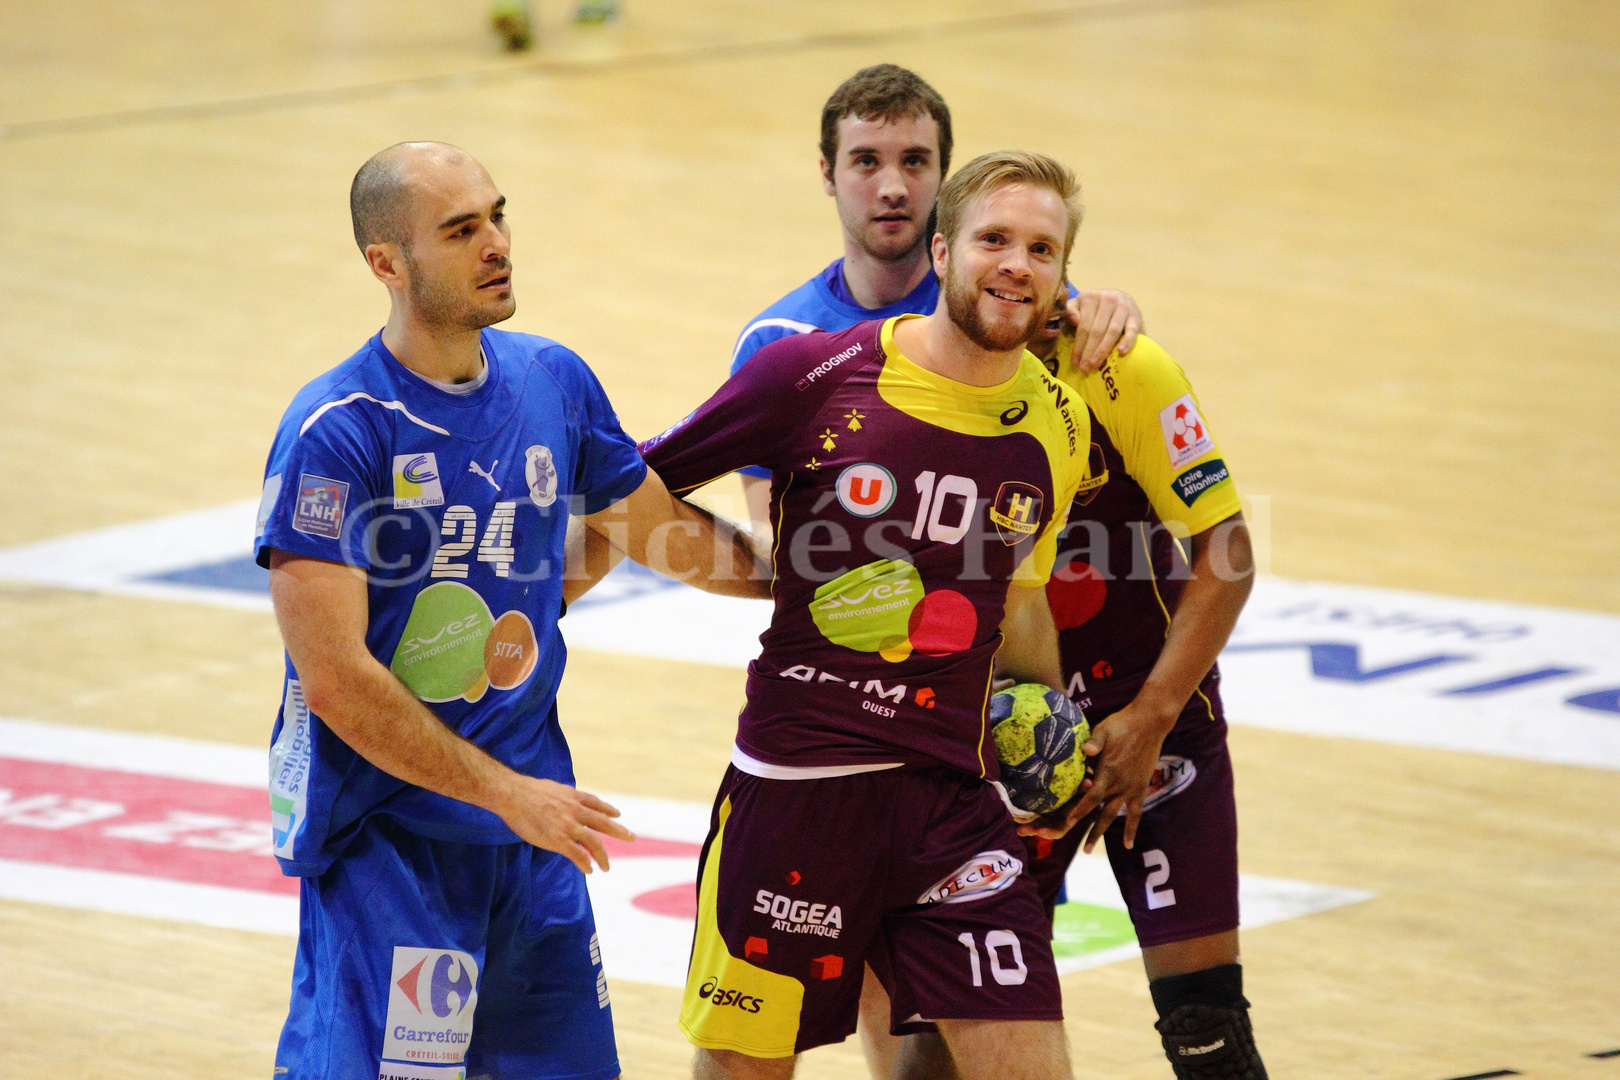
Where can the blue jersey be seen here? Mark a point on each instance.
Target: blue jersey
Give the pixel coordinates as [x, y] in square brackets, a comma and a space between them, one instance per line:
[457, 508]
[823, 303]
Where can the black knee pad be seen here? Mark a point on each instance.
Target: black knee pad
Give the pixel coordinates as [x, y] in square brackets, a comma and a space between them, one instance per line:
[1204, 1025]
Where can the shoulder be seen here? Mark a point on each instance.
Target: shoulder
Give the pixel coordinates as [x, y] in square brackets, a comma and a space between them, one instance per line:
[1145, 377]
[801, 311]
[322, 401]
[811, 358]
[530, 352]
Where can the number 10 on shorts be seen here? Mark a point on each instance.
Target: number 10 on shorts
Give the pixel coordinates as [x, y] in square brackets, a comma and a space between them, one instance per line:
[1006, 958]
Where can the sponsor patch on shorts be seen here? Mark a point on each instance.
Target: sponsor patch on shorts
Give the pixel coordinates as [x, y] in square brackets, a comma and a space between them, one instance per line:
[1171, 777]
[431, 998]
[404, 1070]
[1199, 479]
[987, 872]
[319, 509]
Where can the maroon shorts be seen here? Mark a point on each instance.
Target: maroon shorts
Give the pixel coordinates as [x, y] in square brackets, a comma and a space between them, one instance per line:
[918, 872]
[1180, 881]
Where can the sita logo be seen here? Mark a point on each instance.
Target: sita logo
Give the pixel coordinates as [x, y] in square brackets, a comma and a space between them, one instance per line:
[866, 490]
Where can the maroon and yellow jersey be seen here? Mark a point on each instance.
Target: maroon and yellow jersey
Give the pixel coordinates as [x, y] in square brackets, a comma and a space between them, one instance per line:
[905, 503]
[1119, 572]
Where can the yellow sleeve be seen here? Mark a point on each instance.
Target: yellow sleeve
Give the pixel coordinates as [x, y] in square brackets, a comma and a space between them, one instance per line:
[1070, 470]
[1147, 406]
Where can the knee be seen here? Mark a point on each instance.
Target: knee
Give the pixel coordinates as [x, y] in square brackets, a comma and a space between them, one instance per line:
[1204, 1025]
[924, 1057]
[730, 1065]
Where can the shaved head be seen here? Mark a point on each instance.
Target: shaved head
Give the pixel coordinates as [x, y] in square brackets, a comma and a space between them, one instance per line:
[380, 199]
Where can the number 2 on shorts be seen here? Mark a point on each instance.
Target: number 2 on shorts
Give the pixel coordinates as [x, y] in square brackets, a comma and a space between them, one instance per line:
[1159, 863]
[994, 941]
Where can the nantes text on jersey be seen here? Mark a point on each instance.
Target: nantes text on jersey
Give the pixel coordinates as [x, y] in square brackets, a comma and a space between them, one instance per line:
[905, 503]
[456, 506]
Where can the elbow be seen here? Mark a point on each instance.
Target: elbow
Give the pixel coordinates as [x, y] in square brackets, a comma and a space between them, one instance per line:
[326, 693]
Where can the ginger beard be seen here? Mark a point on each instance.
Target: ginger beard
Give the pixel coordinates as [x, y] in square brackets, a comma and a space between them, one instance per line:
[962, 299]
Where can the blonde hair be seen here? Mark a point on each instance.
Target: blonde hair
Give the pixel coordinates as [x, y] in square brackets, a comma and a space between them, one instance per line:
[988, 172]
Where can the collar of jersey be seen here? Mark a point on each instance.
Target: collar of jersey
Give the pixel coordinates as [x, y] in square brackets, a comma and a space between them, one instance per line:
[909, 367]
[429, 392]
[903, 306]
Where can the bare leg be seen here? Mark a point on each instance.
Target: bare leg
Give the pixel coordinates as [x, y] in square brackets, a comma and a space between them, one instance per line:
[882, 1050]
[898, 1057]
[730, 1065]
[1194, 954]
[1008, 1049]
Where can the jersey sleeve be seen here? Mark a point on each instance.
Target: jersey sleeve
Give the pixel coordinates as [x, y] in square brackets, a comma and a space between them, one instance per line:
[760, 333]
[608, 467]
[1156, 422]
[323, 485]
[746, 422]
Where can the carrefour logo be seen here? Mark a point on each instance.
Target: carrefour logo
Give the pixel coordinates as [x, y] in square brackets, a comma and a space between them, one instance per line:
[866, 490]
[430, 1006]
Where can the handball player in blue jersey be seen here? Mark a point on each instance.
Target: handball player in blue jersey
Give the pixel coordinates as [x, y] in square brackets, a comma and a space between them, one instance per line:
[413, 519]
[885, 148]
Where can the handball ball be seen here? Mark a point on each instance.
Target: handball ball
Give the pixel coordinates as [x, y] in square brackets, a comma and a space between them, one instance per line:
[1038, 734]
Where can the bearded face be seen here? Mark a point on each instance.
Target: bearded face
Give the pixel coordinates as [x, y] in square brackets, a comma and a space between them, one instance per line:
[981, 310]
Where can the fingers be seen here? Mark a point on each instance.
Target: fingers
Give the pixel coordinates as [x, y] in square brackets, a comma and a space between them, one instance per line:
[1103, 335]
[591, 819]
[1133, 326]
[1133, 814]
[1105, 818]
[592, 842]
[599, 805]
[573, 853]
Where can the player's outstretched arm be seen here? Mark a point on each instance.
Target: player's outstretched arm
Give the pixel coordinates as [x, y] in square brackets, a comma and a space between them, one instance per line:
[1029, 645]
[1127, 744]
[683, 541]
[321, 608]
[589, 558]
[1104, 319]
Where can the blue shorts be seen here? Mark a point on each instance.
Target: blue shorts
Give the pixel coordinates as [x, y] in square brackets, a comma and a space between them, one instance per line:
[405, 938]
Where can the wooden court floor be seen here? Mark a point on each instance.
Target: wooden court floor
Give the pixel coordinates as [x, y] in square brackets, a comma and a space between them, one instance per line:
[1382, 237]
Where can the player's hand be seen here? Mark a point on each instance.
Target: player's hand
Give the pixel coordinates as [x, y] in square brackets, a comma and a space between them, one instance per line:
[562, 819]
[1126, 748]
[1104, 320]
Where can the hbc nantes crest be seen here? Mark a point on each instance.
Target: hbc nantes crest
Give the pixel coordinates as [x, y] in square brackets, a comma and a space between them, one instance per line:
[1017, 511]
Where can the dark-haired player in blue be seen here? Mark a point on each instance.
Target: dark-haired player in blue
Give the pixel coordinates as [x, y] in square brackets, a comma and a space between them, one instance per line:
[413, 520]
[886, 145]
